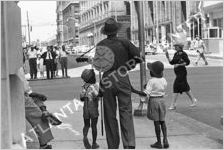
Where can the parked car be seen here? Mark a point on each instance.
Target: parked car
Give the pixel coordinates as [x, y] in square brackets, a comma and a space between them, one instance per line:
[150, 49]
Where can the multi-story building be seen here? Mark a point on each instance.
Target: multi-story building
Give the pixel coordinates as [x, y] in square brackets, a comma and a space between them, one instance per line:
[93, 15]
[68, 22]
[213, 29]
[163, 16]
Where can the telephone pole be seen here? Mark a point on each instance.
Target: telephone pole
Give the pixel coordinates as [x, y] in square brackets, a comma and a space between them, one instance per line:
[141, 34]
[28, 25]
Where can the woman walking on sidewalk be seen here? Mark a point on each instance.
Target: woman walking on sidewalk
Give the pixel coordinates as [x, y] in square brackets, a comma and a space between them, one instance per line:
[180, 60]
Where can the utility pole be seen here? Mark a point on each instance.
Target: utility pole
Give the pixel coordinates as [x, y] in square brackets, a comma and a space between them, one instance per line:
[28, 25]
[157, 25]
[141, 35]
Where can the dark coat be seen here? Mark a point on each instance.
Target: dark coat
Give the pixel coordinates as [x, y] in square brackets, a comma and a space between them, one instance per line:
[44, 55]
[180, 84]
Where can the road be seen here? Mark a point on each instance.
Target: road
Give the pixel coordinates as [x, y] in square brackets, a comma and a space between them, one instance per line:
[206, 83]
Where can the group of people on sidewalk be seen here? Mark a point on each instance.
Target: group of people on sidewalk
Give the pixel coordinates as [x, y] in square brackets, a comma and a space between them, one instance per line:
[50, 58]
[115, 88]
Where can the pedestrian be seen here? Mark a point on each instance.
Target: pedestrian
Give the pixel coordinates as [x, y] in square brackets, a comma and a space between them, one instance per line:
[119, 91]
[48, 57]
[180, 61]
[63, 57]
[156, 110]
[40, 65]
[89, 95]
[199, 46]
[56, 50]
[34, 111]
[32, 55]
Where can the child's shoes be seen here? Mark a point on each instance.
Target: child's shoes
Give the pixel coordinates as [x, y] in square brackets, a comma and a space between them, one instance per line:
[95, 146]
[157, 145]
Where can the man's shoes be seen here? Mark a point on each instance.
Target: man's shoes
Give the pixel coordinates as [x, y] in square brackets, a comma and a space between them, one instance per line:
[46, 146]
[129, 147]
[95, 146]
[86, 143]
[165, 144]
[194, 103]
[157, 145]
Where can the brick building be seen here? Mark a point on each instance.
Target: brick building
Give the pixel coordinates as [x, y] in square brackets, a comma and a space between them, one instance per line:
[68, 22]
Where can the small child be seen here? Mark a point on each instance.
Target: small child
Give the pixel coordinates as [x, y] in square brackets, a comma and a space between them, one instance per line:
[156, 110]
[89, 95]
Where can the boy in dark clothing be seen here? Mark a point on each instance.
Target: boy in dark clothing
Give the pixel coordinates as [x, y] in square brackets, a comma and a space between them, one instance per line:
[89, 95]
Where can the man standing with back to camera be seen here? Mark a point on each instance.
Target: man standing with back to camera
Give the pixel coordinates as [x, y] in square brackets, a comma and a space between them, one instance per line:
[120, 89]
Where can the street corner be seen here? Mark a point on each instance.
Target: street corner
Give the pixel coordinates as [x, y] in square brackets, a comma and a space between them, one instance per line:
[184, 126]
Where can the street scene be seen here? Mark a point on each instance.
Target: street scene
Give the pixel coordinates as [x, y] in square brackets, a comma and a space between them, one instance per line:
[112, 75]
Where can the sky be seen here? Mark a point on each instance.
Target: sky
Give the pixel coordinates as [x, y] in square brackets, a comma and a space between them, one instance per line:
[42, 18]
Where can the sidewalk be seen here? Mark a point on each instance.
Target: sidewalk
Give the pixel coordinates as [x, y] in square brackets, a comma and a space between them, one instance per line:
[183, 132]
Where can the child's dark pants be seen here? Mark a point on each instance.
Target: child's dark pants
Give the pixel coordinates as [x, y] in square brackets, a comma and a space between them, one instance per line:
[93, 126]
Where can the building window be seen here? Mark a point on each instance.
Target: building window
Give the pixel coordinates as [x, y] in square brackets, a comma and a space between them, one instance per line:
[218, 22]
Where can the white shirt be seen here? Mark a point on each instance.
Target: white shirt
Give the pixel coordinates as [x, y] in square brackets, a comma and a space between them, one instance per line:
[32, 54]
[63, 53]
[49, 56]
[156, 87]
[198, 44]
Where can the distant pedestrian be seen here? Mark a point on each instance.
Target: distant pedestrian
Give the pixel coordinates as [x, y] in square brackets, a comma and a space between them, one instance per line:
[156, 110]
[56, 50]
[40, 65]
[180, 60]
[89, 95]
[63, 57]
[199, 46]
[32, 55]
[48, 57]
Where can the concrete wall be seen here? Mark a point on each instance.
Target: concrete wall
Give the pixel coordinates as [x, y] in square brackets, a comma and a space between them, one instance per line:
[12, 100]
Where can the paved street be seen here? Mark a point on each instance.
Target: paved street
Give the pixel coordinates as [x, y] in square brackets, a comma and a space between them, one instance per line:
[206, 83]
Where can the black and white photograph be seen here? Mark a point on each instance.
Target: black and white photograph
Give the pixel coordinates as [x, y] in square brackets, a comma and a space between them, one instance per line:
[97, 74]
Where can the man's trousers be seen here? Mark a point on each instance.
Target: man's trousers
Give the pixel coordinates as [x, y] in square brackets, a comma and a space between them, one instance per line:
[33, 67]
[118, 89]
[49, 68]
